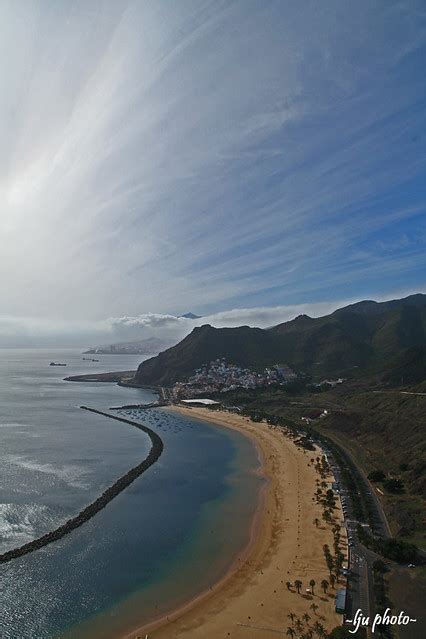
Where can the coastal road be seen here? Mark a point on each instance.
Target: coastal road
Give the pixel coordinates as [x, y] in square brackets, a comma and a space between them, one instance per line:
[385, 530]
[360, 584]
[360, 579]
[401, 393]
[360, 591]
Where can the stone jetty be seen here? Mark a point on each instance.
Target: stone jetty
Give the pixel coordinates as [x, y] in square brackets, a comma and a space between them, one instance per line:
[108, 495]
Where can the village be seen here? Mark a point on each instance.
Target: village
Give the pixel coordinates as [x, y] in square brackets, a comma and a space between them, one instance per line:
[221, 376]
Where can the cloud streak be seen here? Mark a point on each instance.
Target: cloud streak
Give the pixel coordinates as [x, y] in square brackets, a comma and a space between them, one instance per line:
[208, 155]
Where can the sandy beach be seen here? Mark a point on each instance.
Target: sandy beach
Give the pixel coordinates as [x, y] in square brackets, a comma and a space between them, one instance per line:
[253, 599]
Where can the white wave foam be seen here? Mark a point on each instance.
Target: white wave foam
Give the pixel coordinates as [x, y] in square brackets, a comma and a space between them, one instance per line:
[20, 523]
[12, 425]
[71, 474]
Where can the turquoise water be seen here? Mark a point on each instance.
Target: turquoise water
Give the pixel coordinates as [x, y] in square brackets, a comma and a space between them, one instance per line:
[161, 541]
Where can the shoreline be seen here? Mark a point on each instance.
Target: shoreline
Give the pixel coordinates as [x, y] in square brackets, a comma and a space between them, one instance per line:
[111, 378]
[235, 590]
[244, 555]
[120, 378]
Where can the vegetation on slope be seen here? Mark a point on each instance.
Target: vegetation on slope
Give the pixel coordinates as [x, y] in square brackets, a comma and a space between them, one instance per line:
[384, 431]
[364, 337]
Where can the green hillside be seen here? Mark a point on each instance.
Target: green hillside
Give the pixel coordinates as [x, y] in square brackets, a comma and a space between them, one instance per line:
[408, 367]
[384, 430]
[246, 346]
[367, 337]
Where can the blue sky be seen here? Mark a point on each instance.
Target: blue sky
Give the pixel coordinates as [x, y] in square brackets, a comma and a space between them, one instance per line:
[163, 156]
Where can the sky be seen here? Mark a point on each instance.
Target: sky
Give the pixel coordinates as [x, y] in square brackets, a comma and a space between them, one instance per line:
[217, 157]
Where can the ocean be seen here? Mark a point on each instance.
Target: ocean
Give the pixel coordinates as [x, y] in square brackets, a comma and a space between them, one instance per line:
[167, 537]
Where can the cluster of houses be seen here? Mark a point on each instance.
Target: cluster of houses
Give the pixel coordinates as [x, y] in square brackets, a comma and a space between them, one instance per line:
[220, 376]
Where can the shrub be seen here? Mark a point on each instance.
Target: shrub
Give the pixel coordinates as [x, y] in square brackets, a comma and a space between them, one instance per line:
[377, 475]
[394, 486]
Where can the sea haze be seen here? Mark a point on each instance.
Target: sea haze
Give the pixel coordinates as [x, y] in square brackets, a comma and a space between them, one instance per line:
[156, 545]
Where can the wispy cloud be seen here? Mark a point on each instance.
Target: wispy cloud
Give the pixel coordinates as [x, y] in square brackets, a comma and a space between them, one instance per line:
[165, 156]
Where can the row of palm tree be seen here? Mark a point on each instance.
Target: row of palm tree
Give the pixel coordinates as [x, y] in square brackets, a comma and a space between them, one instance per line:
[298, 584]
[308, 633]
[333, 564]
[321, 466]
[327, 499]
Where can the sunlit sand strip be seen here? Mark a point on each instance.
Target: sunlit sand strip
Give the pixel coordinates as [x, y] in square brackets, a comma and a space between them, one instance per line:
[255, 599]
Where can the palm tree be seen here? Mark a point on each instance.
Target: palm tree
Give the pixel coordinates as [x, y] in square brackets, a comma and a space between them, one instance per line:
[316, 522]
[291, 616]
[332, 580]
[288, 584]
[326, 516]
[324, 585]
[314, 607]
[306, 617]
[312, 585]
[298, 625]
[290, 632]
[340, 559]
[298, 585]
[319, 629]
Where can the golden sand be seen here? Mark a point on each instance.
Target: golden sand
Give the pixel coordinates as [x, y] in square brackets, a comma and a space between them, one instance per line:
[252, 600]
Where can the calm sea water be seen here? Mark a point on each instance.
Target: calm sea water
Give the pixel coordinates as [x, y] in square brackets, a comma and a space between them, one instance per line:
[161, 541]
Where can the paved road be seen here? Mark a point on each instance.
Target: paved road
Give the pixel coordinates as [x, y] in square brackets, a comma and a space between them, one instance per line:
[400, 392]
[360, 595]
[361, 559]
[384, 525]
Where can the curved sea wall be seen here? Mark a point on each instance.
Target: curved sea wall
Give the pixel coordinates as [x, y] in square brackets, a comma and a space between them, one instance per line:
[90, 511]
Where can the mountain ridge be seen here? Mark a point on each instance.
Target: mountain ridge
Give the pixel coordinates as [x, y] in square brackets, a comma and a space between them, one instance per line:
[363, 337]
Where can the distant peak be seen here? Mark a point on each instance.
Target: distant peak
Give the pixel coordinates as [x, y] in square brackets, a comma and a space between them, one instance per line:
[190, 316]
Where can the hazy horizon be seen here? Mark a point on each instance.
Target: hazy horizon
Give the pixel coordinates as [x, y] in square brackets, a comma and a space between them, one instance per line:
[166, 329]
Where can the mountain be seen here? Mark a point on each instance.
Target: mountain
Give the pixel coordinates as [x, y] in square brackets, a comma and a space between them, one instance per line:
[190, 316]
[243, 345]
[408, 368]
[366, 334]
[365, 337]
